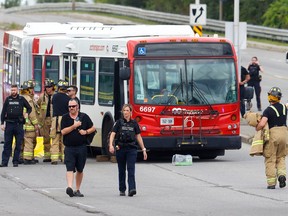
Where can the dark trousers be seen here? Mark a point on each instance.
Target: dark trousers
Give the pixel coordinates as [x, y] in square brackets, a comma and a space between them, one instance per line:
[257, 88]
[126, 156]
[242, 101]
[12, 129]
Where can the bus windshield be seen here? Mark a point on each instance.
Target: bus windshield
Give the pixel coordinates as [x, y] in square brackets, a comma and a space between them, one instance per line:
[185, 81]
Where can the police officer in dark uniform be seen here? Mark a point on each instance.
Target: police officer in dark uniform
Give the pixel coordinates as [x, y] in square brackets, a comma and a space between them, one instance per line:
[275, 150]
[12, 114]
[127, 132]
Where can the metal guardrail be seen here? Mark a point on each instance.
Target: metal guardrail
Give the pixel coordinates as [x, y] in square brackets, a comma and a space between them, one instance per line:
[164, 18]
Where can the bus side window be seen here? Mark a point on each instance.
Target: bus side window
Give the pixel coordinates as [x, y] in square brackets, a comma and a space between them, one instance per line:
[87, 80]
[106, 82]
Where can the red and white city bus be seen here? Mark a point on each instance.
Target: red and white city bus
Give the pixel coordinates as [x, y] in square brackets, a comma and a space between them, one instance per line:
[183, 89]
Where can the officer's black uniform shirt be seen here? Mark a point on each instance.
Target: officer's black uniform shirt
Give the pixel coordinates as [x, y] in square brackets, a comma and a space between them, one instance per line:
[13, 109]
[273, 120]
[74, 138]
[60, 104]
[124, 123]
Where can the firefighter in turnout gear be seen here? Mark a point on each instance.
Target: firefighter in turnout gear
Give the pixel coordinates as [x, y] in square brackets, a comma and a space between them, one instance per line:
[275, 150]
[60, 102]
[45, 116]
[31, 128]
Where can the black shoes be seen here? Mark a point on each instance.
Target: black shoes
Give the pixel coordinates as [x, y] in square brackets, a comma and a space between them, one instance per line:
[3, 165]
[78, 194]
[54, 162]
[271, 187]
[29, 162]
[46, 160]
[132, 192]
[282, 181]
[15, 165]
[122, 193]
[69, 191]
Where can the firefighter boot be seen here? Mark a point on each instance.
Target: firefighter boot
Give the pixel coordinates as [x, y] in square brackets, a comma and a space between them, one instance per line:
[282, 181]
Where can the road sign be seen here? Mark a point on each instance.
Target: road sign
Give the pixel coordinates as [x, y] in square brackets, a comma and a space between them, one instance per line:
[198, 30]
[198, 14]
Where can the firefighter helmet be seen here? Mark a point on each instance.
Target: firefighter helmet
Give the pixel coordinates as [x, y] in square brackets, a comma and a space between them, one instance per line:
[62, 84]
[276, 92]
[28, 84]
[49, 82]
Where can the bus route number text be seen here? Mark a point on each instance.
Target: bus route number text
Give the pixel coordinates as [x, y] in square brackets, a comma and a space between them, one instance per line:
[147, 109]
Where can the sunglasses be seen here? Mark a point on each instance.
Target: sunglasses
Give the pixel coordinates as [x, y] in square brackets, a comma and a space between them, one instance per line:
[72, 106]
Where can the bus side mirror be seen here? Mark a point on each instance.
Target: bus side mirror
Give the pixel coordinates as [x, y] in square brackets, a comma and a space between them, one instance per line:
[125, 73]
[286, 57]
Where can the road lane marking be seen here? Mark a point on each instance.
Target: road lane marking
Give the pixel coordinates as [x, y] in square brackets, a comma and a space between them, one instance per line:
[88, 206]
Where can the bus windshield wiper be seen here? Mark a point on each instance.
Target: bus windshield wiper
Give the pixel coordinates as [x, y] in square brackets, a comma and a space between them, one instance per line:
[195, 91]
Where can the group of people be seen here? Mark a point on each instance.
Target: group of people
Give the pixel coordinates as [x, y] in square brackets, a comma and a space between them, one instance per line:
[56, 116]
[275, 115]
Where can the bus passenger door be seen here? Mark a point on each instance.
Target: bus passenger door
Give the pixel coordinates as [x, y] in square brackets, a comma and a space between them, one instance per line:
[70, 68]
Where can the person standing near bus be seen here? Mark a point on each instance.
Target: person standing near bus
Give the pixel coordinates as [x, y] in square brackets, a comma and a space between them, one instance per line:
[254, 69]
[45, 117]
[60, 107]
[245, 77]
[75, 126]
[275, 150]
[12, 114]
[72, 92]
[31, 127]
[127, 132]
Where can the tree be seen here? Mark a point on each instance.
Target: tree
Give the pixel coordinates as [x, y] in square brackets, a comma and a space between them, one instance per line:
[12, 3]
[277, 15]
[252, 11]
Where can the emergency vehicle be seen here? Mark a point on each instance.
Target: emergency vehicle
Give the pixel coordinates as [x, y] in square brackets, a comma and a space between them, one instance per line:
[183, 89]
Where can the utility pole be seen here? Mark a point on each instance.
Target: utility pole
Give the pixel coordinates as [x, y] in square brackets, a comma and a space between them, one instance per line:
[73, 5]
[236, 31]
[220, 9]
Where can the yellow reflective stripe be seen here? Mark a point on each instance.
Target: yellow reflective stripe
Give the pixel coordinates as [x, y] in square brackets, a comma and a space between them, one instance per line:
[47, 154]
[28, 154]
[44, 106]
[283, 109]
[257, 142]
[54, 156]
[271, 180]
[277, 113]
[281, 172]
[35, 121]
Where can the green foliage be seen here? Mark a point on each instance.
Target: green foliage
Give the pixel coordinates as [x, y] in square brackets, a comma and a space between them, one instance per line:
[57, 1]
[12, 3]
[277, 15]
[252, 11]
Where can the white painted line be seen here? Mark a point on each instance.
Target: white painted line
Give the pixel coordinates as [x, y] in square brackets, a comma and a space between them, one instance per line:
[85, 205]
